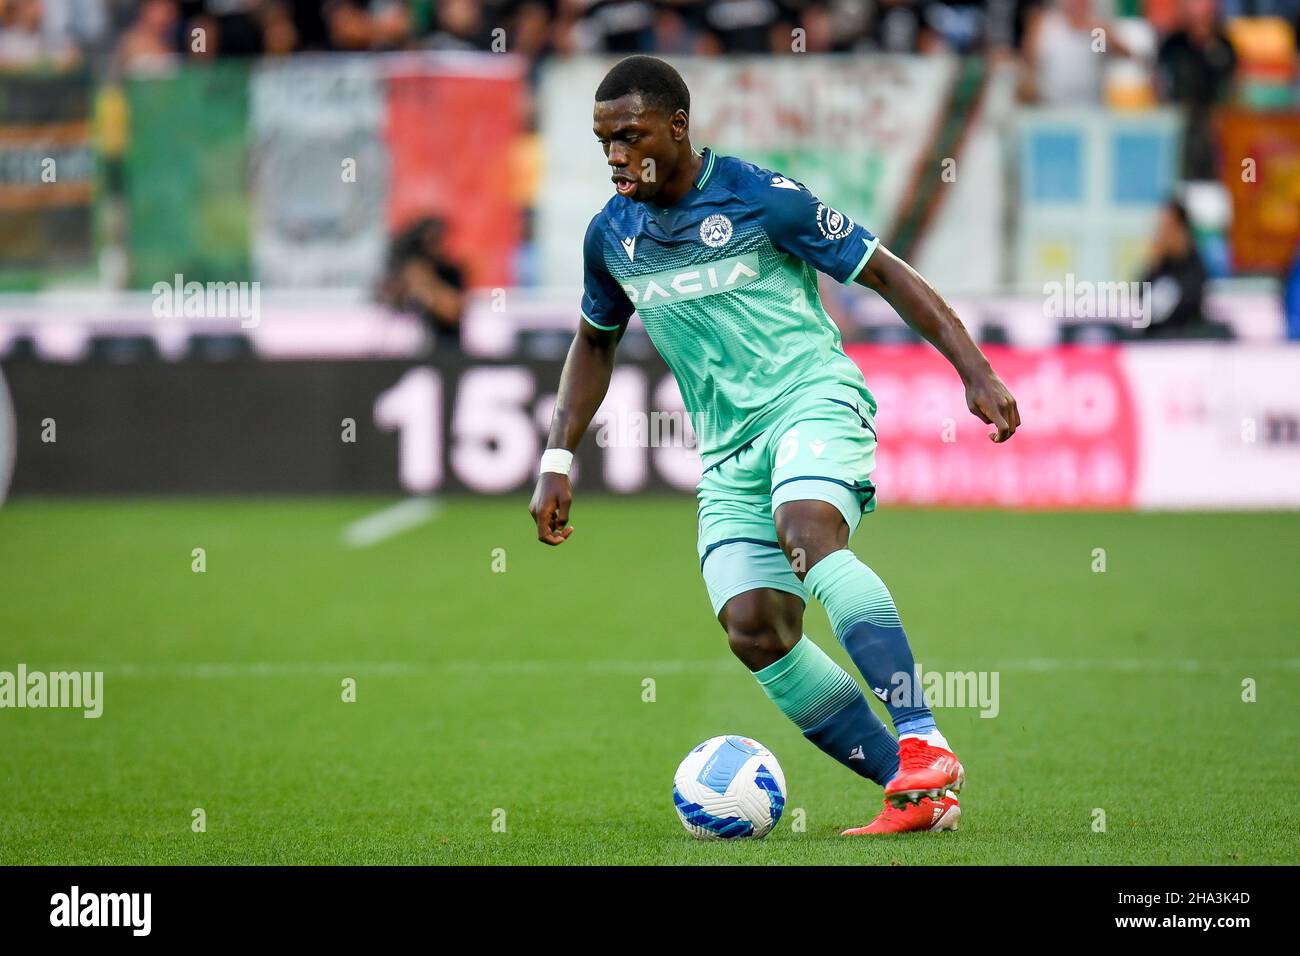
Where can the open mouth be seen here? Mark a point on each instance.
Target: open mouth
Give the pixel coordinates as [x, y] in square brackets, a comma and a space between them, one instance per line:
[625, 187]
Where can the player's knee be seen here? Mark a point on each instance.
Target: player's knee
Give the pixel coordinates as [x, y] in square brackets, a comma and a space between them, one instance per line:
[809, 531]
[756, 646]
[757, 633]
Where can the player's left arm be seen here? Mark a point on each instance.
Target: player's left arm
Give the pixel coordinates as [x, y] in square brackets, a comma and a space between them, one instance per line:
[921, 306]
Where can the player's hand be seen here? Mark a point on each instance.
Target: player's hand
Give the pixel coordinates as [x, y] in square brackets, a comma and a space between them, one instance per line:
[989, 400]
[550, 508]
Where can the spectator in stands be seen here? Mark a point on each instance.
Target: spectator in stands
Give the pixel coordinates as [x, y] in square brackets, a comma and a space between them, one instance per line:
[369, 24]
[1177, 277]
[150, 42]
[458, 25]
[1194, 69]
[522, 27]
[1006, 25]
[742, 26]
[81, 23]
[813, 17]
[673, 36]
[1288, 10]
[229, 28]
[606, 26]
[25, 43]
[529, 26]
[1066, 46]
[422, 278]
[310, 29]
[1291, 298]
[845, 23]
[958, 25]
[894, 26]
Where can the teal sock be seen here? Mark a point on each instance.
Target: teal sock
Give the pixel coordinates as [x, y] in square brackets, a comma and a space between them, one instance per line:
[866, 623]
[827, 705]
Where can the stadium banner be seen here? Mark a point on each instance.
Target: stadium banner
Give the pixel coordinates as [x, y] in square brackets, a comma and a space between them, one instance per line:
[186, 174]
[1076, 448]
[348, 151]
[1149, 426]
[297, 173]
[852, 129]
[453, 129]
[319, 172]
[47, 175]
[1260, 154]
[1091, 185]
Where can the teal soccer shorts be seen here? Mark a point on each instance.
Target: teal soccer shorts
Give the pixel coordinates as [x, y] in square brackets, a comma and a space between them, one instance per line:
[823, 447]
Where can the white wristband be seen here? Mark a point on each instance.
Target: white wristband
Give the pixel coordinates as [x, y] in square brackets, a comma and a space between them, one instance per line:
[558, 460]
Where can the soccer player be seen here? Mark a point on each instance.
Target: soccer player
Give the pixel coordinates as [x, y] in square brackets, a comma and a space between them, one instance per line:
[720, 259]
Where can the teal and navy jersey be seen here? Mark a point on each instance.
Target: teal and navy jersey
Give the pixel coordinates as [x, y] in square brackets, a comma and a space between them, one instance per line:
[725, 282]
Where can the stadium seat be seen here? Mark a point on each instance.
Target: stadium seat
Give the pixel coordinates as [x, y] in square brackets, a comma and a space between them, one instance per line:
[123, 349]
[1091, 333]
[218, 348]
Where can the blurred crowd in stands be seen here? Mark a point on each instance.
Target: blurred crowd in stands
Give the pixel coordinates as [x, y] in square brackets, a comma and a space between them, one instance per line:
[1120, 53]
[1184, 52]
[1195, 54]
[1057, 40]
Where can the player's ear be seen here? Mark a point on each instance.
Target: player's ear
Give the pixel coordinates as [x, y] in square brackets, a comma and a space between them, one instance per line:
[681, 124]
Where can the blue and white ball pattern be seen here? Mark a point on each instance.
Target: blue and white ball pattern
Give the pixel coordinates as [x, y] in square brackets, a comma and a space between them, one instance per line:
[728, 788]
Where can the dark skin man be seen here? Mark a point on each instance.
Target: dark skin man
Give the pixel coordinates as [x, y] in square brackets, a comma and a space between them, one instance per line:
[651, 160]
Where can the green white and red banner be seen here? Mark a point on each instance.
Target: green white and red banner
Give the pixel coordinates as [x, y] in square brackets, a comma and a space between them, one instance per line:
[298, 173]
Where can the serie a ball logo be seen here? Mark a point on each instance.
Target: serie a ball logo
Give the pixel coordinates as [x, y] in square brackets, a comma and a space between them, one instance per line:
[715, 231]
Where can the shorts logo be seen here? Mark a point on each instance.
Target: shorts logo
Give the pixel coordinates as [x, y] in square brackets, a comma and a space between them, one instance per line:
[715, 231]
[833, 224]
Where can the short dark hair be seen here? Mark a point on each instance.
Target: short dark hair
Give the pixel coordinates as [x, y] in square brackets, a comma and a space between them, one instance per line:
[658, 83]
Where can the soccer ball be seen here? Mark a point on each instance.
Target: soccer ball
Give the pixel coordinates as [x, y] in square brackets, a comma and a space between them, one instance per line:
[729, 787]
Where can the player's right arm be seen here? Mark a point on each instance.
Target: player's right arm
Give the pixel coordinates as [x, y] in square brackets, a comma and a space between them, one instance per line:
[799, 224]
[583, 384]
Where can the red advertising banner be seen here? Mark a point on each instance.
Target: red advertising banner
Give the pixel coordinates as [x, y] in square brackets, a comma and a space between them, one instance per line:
[453, 139]
[1076, 448]
[1178, 426]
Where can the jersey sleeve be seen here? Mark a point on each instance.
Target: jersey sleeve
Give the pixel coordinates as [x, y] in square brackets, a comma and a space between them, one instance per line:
[604, 303]
[798, 223]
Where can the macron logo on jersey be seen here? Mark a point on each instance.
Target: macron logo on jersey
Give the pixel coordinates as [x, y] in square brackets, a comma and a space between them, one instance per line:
[780, 182]
[629, 246]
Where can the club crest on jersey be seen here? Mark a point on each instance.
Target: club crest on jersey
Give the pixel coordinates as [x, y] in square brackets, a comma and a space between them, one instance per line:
[715, 231]
[833, 224]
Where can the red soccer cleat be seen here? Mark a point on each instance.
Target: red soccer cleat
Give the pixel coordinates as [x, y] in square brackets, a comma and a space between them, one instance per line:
[924, 770]
[933, 815]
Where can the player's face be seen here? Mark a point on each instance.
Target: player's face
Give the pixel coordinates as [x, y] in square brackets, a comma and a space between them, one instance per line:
[641, 144]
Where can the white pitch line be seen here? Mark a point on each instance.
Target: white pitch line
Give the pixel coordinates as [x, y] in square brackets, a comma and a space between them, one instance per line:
[1133, 665]
[240, 669]
[389, 522]
[645, 668]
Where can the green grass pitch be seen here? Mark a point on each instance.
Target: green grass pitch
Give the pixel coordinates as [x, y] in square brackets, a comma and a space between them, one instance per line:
[517, 696]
